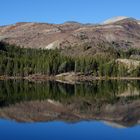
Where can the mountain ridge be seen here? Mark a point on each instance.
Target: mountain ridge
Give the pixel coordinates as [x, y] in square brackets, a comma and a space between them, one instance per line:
[73, 36]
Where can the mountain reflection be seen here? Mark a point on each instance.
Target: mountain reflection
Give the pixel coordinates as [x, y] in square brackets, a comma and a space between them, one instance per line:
[112, 101]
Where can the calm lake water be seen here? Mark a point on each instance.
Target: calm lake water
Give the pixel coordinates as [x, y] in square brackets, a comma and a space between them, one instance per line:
[99, 110]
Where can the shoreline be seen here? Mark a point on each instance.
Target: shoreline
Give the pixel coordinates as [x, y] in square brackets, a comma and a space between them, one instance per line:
[65, 77]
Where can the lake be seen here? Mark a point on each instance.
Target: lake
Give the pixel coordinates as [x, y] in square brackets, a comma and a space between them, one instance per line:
[100, 110]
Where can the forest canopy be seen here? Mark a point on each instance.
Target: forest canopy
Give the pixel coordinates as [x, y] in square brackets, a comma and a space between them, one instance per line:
[16, 61]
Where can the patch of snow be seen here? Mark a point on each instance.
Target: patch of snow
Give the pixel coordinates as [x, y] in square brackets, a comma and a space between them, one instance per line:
[114, 19]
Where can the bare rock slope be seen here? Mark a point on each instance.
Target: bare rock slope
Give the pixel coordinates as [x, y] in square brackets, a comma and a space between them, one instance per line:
[121, 32]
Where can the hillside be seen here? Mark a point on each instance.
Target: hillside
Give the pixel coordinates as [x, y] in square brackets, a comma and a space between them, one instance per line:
[75, 38]
[111, 49]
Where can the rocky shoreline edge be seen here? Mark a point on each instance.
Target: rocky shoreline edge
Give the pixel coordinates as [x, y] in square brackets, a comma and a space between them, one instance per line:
[65, 77]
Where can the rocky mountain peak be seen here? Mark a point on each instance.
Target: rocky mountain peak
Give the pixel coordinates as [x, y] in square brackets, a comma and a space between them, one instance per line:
[114, 19]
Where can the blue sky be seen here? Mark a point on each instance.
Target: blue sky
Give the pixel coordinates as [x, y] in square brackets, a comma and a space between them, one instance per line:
[59, 11]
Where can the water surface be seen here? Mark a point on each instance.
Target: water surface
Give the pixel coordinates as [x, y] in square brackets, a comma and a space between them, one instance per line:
[100, 110]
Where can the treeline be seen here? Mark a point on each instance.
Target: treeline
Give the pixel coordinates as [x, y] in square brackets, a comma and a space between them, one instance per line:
[15, 61]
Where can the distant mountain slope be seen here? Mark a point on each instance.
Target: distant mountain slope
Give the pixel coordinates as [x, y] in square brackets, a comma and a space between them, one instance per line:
[75, 38]
[114, 19]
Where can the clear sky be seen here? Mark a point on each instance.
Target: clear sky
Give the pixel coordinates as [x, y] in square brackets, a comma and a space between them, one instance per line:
[59, 11]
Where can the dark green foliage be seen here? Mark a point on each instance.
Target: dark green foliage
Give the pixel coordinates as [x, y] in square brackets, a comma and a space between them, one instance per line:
[15, 61]
[100, 92]
[136, 72]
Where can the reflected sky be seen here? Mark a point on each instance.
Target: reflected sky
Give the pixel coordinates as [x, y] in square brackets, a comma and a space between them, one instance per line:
[66, 131]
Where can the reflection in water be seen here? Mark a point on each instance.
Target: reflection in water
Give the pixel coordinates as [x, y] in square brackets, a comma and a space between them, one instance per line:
[116, 102]
[65, 131]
